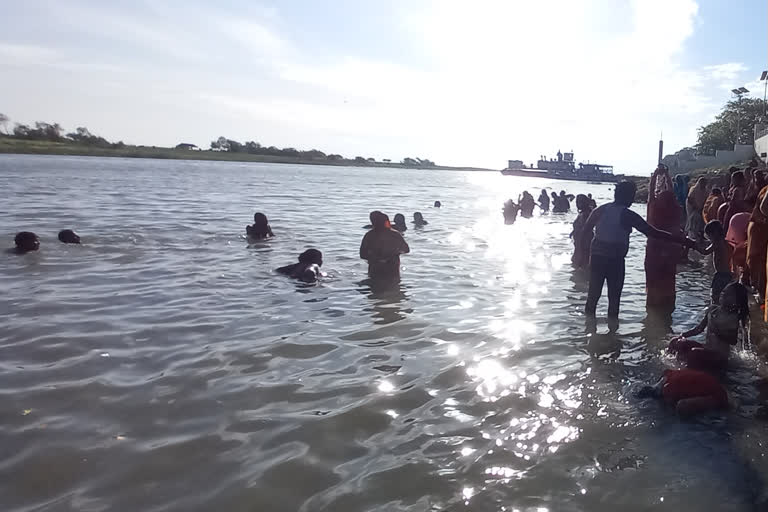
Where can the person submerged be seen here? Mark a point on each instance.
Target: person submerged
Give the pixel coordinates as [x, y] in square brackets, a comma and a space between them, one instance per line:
[399, 223]
[721, 257]
[382, 246]
[581, 242]
[308, 267]
[510, 211]
[527, 204]
[722, 323]
[67, 236]
[438, 204]
[260, 229]
[689, 391]
[613, 223]
[418, 220]
[544, 201]
[25, 241]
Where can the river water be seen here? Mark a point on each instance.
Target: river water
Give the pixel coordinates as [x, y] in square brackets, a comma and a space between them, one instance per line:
[163, 365]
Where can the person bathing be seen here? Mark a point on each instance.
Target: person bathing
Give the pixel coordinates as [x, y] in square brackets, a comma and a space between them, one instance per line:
[260, 229]
[308, 267]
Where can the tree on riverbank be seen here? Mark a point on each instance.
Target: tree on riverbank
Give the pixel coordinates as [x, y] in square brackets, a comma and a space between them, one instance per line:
[736, 115]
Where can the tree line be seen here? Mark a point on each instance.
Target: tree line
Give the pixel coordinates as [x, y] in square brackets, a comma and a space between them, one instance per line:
[53, 132]
[735, 124]
[254, 148]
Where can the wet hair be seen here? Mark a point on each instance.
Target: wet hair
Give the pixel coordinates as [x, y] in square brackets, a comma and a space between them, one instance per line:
[714, 229]
[418, 216]
[312, 256]
[737, 179]
[26, 241]
[624, 193]
[583, 202]
[716, 192]
[438, 204]
[399, 218]
[741, 299]
[68, 236]
[259, 219]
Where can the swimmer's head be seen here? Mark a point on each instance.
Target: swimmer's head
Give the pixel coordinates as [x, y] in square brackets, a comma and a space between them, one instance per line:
[311, 257]
[379, 220]
[562, 192]
[554, 195]
[399, 219]
[582, 202]
[259, 219]
[716, 192]
[624, 193]
[737, 179]
[418, 217]
[68, 236]
[26, 241]
[714, 230]
[438, 204]
[735, 298]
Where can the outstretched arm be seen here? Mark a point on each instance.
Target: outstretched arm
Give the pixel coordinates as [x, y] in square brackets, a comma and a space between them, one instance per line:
[639, 224]
[698, 329]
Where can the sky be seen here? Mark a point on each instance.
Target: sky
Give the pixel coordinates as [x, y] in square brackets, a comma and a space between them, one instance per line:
[461, 83]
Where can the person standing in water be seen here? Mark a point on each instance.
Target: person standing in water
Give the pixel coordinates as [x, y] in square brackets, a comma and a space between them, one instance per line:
[510, 211]
[382, 246]
[527, 204]
[661, 256]
[613, 223]
[544, 201]
[418, 220]
[581, 240]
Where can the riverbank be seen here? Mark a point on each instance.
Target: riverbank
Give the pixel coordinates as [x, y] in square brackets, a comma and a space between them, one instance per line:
[33, 147]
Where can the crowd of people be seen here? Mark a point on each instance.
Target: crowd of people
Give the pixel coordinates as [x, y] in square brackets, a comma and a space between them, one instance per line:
[725, 217]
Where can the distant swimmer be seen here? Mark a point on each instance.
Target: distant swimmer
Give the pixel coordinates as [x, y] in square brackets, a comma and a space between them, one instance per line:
[260, 229]
[510, 211]
[527, 204]
[382, 246]
[438, 204]
[26, 241]
[399, 223]
[418, 220]
[308, 267]
[544, 201]
[68, 236]
[613, 223]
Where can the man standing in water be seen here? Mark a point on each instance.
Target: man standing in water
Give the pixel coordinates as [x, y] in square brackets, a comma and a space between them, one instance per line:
[382, 247]
[613, 223]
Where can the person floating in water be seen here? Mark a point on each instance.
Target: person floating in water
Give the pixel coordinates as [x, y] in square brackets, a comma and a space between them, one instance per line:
[399, 223]
[721, 259]
[613, 223]
[260, 229]
[308, 267]
[581, 240]
[26, 241]
[418, 220]
[527, 204]
[68, 236]
[510, 211]
[382, 246]
[544, 201]
[438, 204]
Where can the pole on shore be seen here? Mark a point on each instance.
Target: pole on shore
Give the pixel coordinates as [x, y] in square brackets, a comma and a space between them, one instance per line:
[661, 148]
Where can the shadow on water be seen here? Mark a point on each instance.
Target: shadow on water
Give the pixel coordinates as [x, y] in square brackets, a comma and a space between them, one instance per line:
[385, 296]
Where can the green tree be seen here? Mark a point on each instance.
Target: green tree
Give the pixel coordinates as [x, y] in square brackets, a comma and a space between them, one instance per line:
[735, 124]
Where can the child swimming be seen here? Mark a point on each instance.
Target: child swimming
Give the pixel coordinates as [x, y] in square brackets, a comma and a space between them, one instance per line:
[722, 324]
[260, 229]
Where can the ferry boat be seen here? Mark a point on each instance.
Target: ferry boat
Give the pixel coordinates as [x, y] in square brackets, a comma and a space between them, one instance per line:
[564, 168]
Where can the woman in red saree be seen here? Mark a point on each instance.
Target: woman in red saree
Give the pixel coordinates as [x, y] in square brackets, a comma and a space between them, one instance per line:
[661, 257]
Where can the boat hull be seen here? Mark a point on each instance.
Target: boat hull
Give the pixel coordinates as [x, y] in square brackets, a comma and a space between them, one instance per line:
[533, 173]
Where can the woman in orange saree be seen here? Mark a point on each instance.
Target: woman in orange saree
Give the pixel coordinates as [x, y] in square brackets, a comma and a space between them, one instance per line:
[757, 244]
[661, 257]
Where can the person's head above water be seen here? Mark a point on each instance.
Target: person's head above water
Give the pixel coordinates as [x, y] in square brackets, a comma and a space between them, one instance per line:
[583, 202]
[68, 236]
[26, 241]
[735, 299]
[624, 193]
[737, 179]
[554, 195]
[418, 218]
[311, 257]
[399, 219]
[714, 230]
[259, 219]
[438, 204]
[379, 220]
[562, 193]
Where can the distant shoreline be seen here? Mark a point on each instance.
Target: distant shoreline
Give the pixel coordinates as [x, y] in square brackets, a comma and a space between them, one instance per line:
[10, 145]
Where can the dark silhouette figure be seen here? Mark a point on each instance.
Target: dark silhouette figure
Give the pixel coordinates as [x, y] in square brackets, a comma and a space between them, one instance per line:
[260, 229]
[308, 267]
[382, 246]
[527, 204]
[544, 201]
[510, 211]
[26, 241]
[68, 236]
[438, 204]
[399, 223]
[418, 220]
